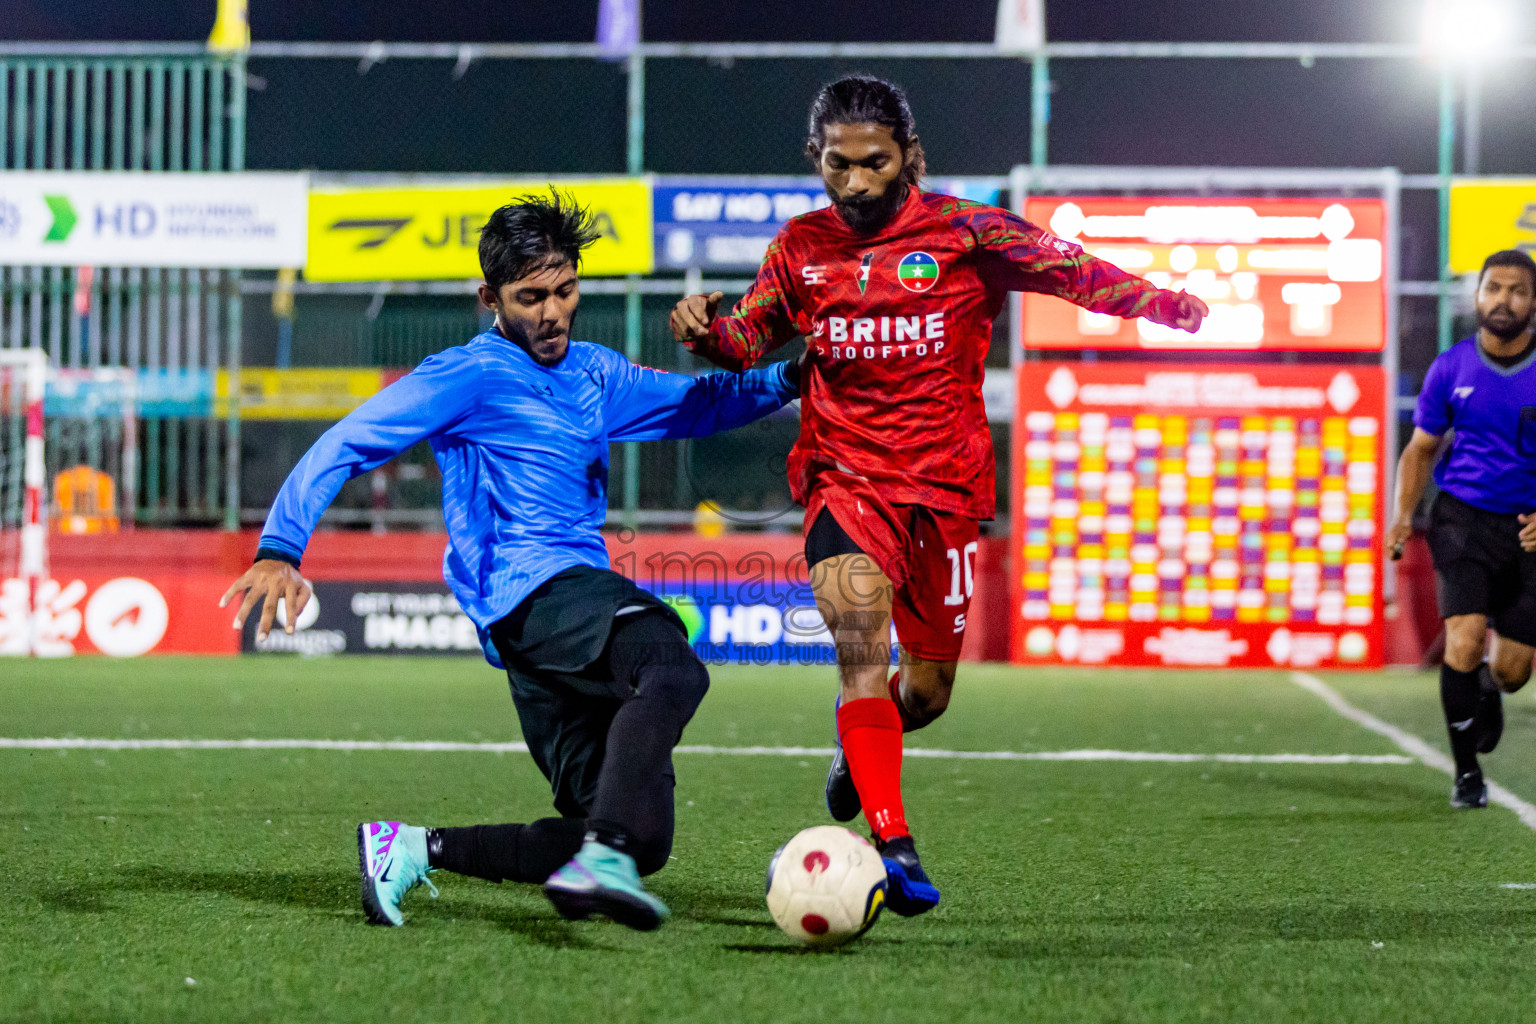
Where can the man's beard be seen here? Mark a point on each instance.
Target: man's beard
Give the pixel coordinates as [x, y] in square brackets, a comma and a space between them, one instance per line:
[868, 214]
[1508, 328]
[513, 331]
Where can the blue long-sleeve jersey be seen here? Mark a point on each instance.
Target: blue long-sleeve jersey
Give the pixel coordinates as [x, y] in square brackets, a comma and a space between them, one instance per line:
[523, 450]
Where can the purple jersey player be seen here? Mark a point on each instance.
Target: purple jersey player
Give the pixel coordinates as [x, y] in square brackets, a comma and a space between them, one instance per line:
[1482, 525]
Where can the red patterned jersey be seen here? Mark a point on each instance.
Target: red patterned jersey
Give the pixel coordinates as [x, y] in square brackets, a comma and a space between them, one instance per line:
[898, 325]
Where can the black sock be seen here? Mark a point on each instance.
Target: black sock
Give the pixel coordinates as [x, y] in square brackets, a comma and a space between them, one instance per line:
[1459, 693]
[611, 835]
[513, 853]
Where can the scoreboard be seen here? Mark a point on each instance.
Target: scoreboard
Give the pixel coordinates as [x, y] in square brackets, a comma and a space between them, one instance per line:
[1284, 274]
[1198, 515]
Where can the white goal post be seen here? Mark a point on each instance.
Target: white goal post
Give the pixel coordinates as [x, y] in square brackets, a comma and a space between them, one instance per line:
[23, 379]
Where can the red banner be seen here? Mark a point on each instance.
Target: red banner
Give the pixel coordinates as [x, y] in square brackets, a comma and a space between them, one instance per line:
[156, 592]
[1198, 515]
[1294, 274]
[124, 616]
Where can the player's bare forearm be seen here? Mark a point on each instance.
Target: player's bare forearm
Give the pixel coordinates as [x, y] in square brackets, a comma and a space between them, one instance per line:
[267, 582]
[724, 341]
[1413, 470]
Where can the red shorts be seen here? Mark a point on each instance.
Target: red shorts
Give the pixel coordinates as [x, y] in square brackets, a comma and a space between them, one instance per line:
[929, 555]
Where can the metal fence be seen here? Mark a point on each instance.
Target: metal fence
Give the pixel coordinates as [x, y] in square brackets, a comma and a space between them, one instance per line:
[173, 107]
[72, 111]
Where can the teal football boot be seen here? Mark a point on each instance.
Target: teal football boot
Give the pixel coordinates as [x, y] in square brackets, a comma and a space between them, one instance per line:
[601, 880]
[392, 857]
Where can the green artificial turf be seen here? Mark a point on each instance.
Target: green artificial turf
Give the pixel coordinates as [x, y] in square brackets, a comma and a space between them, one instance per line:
[1073, 891]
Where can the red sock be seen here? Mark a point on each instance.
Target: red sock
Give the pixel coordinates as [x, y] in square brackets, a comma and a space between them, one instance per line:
[907, 725]
[870, 731]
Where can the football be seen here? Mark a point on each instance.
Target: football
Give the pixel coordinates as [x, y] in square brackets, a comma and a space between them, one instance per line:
[826, 886]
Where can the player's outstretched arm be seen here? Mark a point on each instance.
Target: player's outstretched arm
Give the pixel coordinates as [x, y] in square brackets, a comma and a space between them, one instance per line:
[444, 390]
[643, 404]
[1412, 477]
[1021, 257]
[760, 323]
[266, 583]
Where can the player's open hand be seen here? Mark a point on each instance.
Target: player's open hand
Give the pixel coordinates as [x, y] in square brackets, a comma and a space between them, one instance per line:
[1397, 538]
[1528, 530]
[1181, 310]
[693, 314]
[268, 582]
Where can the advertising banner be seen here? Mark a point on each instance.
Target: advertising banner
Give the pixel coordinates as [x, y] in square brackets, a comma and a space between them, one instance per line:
[726, 224]
[722, 223]
[147, 219]
[1282, 274]
[1489, 214]
[115, 393]
[120, 616]
[1198, 515]
[432, 231]
[373, 618]
[741, 620]
[317, 393]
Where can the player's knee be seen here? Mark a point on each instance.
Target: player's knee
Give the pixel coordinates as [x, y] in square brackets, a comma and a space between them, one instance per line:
[924, 706]
[687, 681]
[651, 653]
[1464, 650]
[652, 856]
[1511, 677]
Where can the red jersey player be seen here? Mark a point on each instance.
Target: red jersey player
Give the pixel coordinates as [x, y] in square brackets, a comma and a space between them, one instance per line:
[895, 291]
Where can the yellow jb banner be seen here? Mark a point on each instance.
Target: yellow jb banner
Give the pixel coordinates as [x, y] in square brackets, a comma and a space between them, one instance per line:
[432, 232]
[1488, 215]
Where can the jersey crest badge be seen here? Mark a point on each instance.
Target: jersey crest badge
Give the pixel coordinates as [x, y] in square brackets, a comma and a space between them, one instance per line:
[917, 272]
[864, 265]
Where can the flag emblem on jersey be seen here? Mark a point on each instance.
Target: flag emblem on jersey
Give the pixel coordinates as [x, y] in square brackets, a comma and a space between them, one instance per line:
[864, 263]
[917, 271]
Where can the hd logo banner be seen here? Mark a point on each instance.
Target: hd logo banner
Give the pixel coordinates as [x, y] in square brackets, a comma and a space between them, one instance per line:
[432, 232]
[116, 219]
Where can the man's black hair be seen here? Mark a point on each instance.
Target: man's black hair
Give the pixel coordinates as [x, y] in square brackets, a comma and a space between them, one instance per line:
[1510, 258]
[532, 233]
[865, 99]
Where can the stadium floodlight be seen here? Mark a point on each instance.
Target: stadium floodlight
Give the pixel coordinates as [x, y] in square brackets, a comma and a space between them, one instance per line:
[1463, 31]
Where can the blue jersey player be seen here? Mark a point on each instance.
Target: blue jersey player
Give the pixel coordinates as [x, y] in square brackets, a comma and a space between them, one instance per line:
[602, 675]
[1482, 529]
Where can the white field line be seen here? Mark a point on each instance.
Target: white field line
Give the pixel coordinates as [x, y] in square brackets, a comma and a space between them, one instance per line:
[436, 746]
[1410, 744]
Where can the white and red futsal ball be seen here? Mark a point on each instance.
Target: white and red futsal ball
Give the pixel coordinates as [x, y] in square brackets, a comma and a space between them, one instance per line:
[826, 886]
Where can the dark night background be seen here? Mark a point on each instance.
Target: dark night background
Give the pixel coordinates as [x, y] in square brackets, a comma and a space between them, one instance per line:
[747, 116]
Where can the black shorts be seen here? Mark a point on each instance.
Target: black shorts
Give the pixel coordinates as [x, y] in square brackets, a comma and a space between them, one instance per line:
[1480, 568]
[827, 539]
[554, 645]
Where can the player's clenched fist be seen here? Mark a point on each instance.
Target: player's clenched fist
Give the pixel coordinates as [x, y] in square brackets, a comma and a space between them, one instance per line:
[1179, 310]
[693, 314]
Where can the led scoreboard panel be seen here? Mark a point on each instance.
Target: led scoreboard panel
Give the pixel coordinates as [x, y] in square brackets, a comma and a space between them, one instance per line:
[1284, 274]
[1204, 515]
